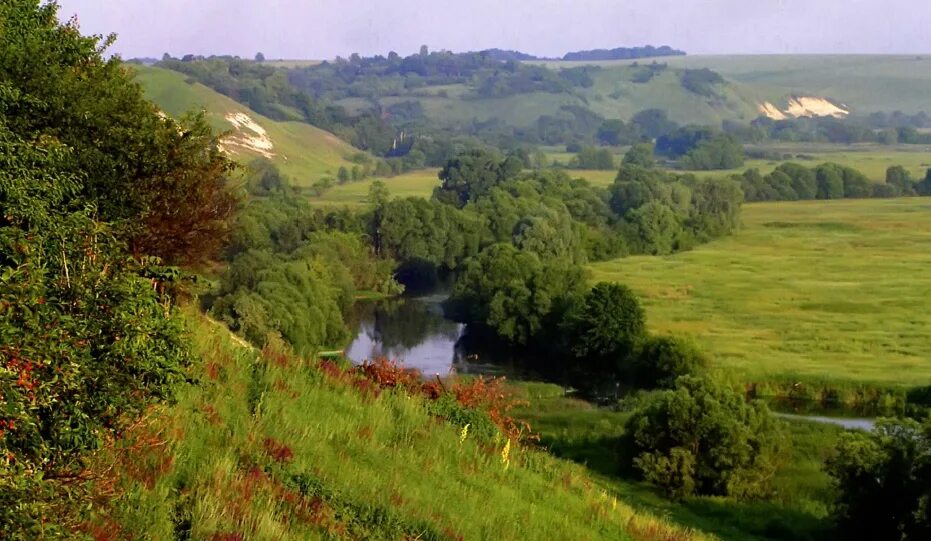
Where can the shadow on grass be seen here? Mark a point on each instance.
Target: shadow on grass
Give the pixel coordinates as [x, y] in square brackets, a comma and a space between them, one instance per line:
[727, 519]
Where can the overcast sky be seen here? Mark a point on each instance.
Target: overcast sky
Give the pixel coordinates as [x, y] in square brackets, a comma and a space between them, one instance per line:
[323, 29]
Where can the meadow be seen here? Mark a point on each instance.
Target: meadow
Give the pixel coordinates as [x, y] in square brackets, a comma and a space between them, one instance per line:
[301, 151]
[799, 508]
[825, 290]
[270, 446]
[418, 183]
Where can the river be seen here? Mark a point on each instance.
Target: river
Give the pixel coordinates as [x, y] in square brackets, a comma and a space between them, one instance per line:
[413, 331]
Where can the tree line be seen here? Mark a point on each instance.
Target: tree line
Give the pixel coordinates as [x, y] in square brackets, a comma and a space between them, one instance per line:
[794, 182]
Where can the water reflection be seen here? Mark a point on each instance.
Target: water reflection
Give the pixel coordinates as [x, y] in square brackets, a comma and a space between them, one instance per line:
[414, 332]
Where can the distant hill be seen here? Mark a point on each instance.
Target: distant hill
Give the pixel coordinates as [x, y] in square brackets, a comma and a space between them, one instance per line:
[623, 53]
[303, 152]
[860, 84]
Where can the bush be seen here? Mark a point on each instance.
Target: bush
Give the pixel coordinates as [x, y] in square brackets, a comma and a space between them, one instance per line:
[663, 359]
[703, 438]
[606, 328]
[884, 479]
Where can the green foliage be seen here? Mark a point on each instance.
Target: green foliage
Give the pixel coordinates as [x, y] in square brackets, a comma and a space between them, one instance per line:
[703, 82]
[606, 327]
[152, 178]
[654, 227]
[640, 155]
[897, 176]
[300, 297]
[473, 174]
[924, 187]
[830, 182]
[792, 181]
[663, 359]
[416, 228]
[614, 132]
[593, 158]
[720, 152]
[514, 293]
[703, 438]
[884, 481]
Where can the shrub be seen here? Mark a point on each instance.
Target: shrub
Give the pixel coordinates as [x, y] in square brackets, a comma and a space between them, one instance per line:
[606, 327]
[884, 482]
[663, 359]
[703, 438]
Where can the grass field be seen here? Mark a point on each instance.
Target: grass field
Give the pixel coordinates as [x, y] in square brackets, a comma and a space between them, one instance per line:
[266, 447]
[578, 431]
[301, 151]
[412, 184]
[834, 290]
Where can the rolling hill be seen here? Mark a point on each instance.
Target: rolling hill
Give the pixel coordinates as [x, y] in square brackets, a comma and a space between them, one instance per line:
[863, 83]
[615, 93]
[303, 152]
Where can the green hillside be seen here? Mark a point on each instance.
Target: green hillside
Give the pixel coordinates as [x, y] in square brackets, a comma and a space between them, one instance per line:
[864, 83]
[615, 94]
[271, 446]
[301, 151]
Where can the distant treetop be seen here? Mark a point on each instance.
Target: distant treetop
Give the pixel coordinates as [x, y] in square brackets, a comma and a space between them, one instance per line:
[624, 53]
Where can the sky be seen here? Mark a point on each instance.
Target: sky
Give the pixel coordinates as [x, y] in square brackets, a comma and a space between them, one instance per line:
[324, 29]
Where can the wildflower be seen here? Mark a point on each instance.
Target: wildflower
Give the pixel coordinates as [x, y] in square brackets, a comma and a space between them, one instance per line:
[506, 454]
[463, 434]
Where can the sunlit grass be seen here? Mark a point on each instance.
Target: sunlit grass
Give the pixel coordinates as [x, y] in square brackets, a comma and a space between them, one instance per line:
[835, 290]
[231, 455]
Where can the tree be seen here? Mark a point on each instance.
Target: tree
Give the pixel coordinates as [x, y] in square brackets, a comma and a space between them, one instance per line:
[654, 228]
[614, 132]
[151, 178]
[830, 182]
[924, 187]
[803, 181]
[606, 328]
[884, 481]
[640, 155]
[720, 152]
[703, 438]
[594, 158]
[514, 293]
[342, 174]
[899, 177]
[472, 174]
[259, 57]
[663, 359]
[653, 123]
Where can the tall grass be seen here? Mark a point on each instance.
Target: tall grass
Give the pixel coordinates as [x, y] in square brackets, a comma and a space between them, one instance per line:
[268, 446]
[798, 509]
[816, 292]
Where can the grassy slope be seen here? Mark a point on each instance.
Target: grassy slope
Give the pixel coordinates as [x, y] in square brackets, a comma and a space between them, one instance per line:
[835, 290]
[303, 152]
[266, 447]
[415, 183]
[581, 432]
[866, 83]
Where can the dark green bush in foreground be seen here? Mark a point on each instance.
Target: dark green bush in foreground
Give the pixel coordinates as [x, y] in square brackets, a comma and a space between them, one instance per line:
[703, 438]
[884, 479]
